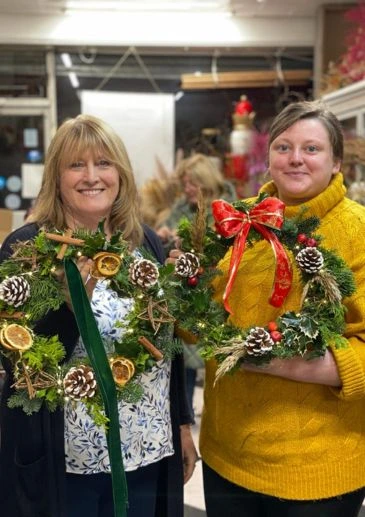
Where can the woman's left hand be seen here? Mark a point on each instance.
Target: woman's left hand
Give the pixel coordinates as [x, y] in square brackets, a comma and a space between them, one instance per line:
[173, 255]
[190, 455]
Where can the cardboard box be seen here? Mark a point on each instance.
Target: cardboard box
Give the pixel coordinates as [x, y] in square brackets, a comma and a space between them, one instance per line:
[6, 223]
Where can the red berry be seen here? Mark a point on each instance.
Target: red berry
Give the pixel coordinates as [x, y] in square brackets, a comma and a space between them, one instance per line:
[312, 243]
[272, 326]
[301, 238]
[193, 281]
[276, 335]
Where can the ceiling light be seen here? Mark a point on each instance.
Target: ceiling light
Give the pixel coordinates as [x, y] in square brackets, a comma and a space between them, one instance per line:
[66, 60]
[202, 5]
[74, 79]
[178, 95]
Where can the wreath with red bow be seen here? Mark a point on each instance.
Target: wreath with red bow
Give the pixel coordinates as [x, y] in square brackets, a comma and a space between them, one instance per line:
[326, 280]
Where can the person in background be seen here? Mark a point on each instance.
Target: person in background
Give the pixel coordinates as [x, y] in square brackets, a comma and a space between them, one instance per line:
[288, 439]
[50, 466]
[195, 174]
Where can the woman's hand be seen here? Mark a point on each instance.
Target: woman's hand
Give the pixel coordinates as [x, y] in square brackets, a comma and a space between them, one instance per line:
[166, 234]
[321, 370]
[84, 265]
[173, 255]
[189, 453]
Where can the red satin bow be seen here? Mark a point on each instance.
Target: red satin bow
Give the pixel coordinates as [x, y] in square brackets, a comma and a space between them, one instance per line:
[230, 222]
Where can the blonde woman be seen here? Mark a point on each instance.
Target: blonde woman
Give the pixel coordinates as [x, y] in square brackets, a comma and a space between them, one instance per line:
[56, 464]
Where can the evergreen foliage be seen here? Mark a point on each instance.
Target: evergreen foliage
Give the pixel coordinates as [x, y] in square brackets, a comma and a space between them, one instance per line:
[183, 303]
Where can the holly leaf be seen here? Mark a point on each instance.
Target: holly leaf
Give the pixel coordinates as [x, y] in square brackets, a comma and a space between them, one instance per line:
[308, 326]
[290, 337]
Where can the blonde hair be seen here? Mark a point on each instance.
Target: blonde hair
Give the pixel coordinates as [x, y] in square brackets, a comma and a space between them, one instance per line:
[73, 138]
[202, 171]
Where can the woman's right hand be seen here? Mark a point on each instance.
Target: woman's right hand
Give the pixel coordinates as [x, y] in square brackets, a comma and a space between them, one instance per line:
[320, 370]
[85, 266]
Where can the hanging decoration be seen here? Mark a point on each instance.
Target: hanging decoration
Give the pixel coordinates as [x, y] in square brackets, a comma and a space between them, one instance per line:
[240, 141]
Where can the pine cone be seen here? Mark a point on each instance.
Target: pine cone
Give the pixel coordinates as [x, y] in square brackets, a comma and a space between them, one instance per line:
[14, 290]
[258, 342]
[79, 382]
[310, 260]
[144, 273]
[187, 265]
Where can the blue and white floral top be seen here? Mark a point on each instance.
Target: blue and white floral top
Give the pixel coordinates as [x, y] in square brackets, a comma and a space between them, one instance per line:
[145, 427]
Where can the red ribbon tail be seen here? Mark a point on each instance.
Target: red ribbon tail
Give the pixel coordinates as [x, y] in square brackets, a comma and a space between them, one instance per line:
[283, 271]
[237, 252]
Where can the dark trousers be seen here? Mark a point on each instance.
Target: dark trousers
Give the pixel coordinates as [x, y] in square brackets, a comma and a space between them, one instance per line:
[91, 495]
[223, 498]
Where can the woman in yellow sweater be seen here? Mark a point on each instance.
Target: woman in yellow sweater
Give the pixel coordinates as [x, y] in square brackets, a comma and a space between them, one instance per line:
[288, 439]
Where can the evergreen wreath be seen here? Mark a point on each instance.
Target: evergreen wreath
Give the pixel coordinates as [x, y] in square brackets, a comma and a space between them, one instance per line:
[30, 287]
[164, 296]
[325, 277]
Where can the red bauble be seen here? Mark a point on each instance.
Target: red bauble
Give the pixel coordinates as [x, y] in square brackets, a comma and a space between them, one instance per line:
[276, 336]
[271, 326]
[312, 243]
[193, 281]
[302, 238]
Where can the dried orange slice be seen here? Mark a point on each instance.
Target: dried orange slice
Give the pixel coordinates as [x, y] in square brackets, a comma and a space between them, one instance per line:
[106, 264]
[122, 369]
[3, 340]
[16, 337]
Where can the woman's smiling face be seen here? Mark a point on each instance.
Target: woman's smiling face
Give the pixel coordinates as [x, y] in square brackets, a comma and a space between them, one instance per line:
[89, 186]
[301, 161]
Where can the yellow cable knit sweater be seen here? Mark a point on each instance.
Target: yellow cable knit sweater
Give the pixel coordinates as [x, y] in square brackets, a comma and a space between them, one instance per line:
[290, 439]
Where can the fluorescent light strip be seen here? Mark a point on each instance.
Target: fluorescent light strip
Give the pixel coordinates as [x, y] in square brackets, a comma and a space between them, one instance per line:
[66, 60]
[74, 79]
[150, 6]
[178, 95]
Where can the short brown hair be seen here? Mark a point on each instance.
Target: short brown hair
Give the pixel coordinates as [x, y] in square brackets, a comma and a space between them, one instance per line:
[305, 110]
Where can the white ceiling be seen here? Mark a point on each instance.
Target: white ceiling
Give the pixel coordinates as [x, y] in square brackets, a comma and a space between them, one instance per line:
[216, 24]
[242, 8]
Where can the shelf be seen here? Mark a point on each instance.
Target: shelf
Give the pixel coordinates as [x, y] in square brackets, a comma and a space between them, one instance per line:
[349, 103]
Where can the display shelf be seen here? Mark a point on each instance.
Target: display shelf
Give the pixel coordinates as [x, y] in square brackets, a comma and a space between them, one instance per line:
[348, 104]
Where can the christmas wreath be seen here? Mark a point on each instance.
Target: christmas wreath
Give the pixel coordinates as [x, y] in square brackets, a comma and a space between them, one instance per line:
[167, 296]
[30, 287]
[325, 277]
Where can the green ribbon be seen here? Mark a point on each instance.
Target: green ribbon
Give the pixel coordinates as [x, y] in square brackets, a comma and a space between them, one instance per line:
[99, 361]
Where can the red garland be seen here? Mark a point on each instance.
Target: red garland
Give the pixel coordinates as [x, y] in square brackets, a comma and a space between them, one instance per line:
[230, 222]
